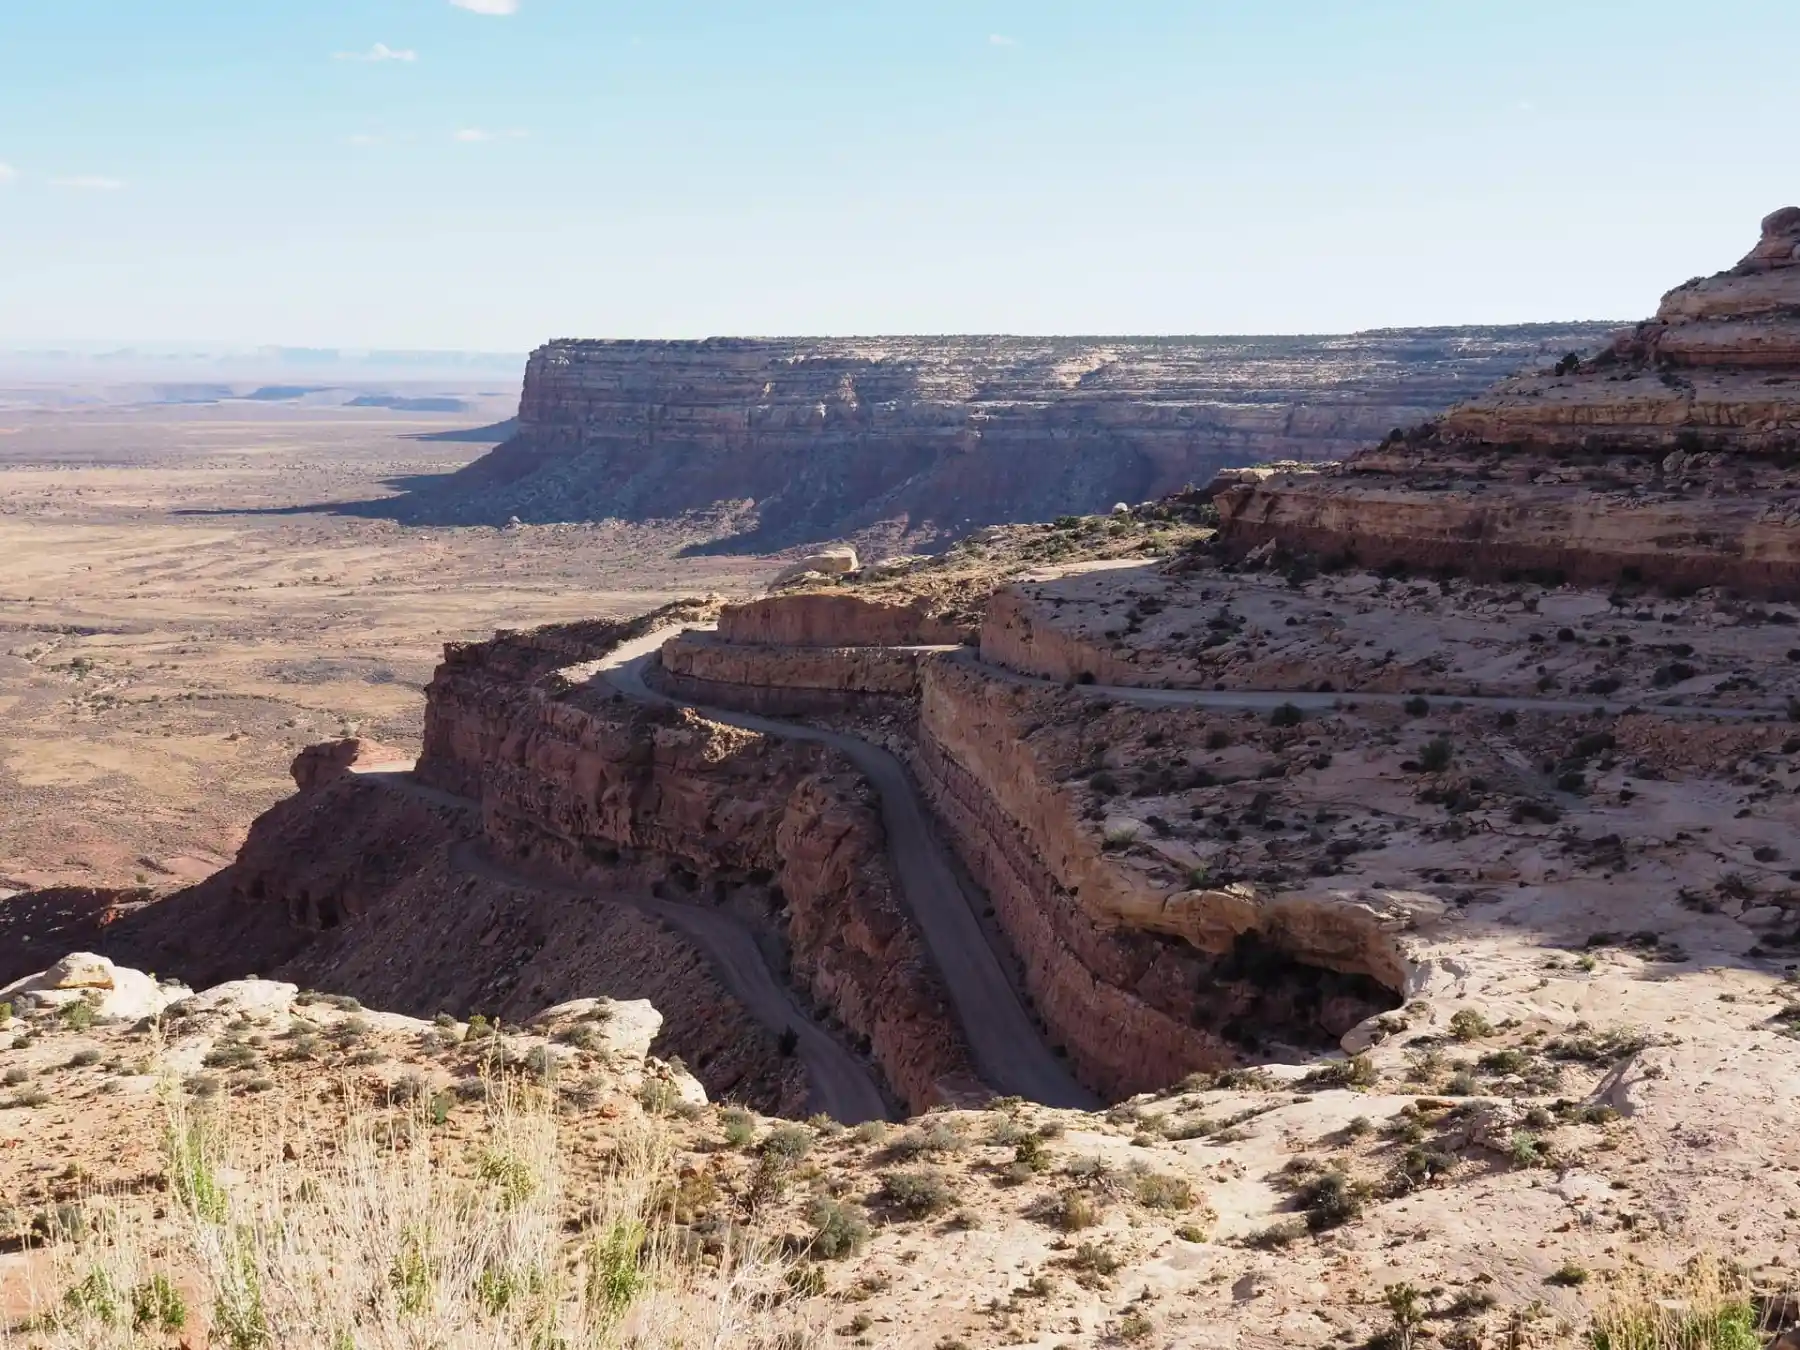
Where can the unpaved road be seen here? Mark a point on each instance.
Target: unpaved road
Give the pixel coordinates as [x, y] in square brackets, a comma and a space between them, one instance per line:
[1009, 1052]
[1266, 700]
[841, 1085]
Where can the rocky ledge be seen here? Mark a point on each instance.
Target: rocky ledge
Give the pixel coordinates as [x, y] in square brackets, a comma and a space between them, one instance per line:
[1671, 456]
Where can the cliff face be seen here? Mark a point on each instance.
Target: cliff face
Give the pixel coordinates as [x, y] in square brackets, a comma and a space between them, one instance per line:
[1671, 456]
[929, 437]
[575, 780]
[1141, 978]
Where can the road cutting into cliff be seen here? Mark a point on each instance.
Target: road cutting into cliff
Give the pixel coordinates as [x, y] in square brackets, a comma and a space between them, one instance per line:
[1010, 1052]
[841, 1084]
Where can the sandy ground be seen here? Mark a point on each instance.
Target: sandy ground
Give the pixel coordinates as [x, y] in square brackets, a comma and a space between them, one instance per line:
[170, 638]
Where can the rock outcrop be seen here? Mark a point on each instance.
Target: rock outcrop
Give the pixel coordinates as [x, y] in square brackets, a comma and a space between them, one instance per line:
[804, 439]
[319, 764]
[839, 619]
[1671, 456]
[1142, 978]
[93, 981]
[575, 778]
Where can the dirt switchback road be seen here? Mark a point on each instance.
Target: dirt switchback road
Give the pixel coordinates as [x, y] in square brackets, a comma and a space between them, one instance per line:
[841, 1084]
[1010, 1054]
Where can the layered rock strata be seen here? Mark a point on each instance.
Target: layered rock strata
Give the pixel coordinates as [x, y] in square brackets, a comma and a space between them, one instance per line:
[1671, 456]
[572, 777]
[807, 438]
[1142, 978]
[828, 619]
[790, 681]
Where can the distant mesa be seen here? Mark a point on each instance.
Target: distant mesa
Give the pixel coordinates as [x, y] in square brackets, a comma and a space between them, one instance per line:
[920, 440]
[278, 393]
[397, 403]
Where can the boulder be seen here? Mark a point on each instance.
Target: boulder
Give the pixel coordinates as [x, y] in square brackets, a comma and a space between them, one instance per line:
[829, 562]
[82, 977]
[624, 1027]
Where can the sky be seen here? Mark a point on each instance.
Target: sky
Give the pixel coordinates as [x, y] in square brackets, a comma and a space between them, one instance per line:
[489, 174]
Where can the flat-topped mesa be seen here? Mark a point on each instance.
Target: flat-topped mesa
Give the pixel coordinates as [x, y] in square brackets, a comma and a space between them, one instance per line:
[1672, 455]
[801, 439]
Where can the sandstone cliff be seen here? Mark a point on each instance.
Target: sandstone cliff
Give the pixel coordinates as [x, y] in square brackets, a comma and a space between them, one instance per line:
[929, 437]
[1670, 456]
[577, 780]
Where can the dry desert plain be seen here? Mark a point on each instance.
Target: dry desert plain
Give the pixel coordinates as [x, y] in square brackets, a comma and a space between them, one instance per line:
[171, 635]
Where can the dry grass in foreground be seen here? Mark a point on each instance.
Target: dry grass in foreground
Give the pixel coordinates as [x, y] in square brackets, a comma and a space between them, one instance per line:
[381, 1238]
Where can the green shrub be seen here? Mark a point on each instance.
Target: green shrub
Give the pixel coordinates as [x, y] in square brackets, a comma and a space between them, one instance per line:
[1731, 1326]
[933, 1140]
[839, 1228]
[1094, 1259]
[788, 1142]
[917, 1194]
[157, 1304]
[1134, 1327]
[740, 1126]
[1160, 1191]
[1358, 1071]
[1331, 1199]
[1436, 756]
[1468, 1025]
[1030, 1154]
[1526, 1149]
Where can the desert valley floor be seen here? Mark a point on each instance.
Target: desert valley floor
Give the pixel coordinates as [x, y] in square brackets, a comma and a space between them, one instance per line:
[169, 639]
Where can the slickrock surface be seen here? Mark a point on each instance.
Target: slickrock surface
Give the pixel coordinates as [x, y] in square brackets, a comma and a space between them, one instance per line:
[792, 440]
[1670, 455]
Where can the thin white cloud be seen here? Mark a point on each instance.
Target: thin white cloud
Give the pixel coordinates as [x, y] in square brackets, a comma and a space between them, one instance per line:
[478, 136]
[88, 182]
[488, 6]
[379, 52]
[7, 174]
[1001, 40]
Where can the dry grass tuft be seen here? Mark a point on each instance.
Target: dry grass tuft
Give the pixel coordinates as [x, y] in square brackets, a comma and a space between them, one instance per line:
[389, 1235]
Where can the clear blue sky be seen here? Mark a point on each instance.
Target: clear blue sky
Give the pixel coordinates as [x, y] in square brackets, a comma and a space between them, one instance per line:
[228, 170]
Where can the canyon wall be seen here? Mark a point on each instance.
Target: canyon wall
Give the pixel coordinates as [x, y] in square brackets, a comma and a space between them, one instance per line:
[572, 777]
[803, 439]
